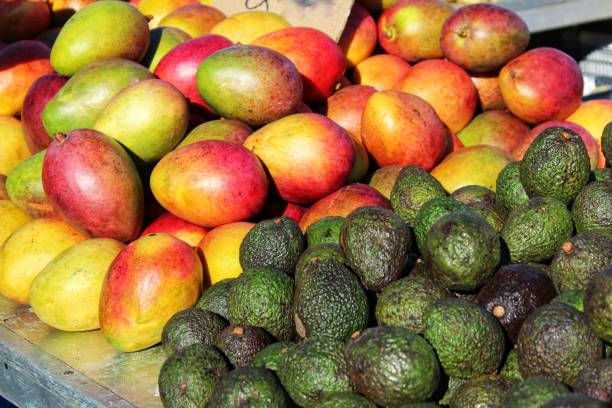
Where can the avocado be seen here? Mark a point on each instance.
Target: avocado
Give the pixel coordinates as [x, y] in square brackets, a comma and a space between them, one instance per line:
[606, 143]
[474, 194]
[449, 390]
[601, 174]
[275, 243]
[596, 381]
[312, 369]
[214, 299]
[491, 213]
[482, 200]
[462, 250]
[574, 401]
[431, 212]
[513, 293]
[534, 392]
[592, 209]
[249, 387]
[329, 300]
[271, 355]
[598, 304]
[404, 301]
[509, 190]
[534, 231]
[556, 165]
[191, 326]
[413, 188]
[240, 343]
[556, 341]
[392, 365]
[263, 297]
[579, 259]
[468, 339]
[419, 405]
[510, 369]
[188, 377]
[344, 400]
[324, 231]
[573, 298]
[376, 243]
[486, 391]
[317, 253]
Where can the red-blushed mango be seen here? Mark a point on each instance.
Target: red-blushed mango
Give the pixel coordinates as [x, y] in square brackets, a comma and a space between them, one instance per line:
[342, 202]
[229, 130]
[358, 39]
[446, 87]
[382, 71]
[489, 93]
[307, 155]
[475, 165]
[171, 224]
[149, 281]
[21, 64]
[317, 57]
[11, 218]
[158, 9]
[455, 143]
[28, 250]
[194, 19]
[542, 84]
[163, 39]
[220, 251]
[494, 128]
[482, 38]
[22, 19]
[13, 147]
[589, 142]
[34, 103]
[411, 29]
[345, 107]
[269, 85]
[66, 294]
[210, 183]
[180, 65]
[91, 182]
[594, 115]
[384, 179]
[399, 128]
[247, 26]
[277, 207]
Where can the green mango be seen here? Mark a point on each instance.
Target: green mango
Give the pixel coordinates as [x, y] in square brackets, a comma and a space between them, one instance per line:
[100, 31]
[148, 118]
[79, 103]
[25, 189]
[163, 39]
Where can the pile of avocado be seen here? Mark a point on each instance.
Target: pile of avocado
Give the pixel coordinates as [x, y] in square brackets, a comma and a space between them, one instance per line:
[477, 299]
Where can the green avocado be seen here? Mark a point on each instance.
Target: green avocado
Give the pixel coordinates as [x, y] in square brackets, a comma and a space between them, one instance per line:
[392, 365]
[486, 391]
[270, 357]
[534, 392]
[344, 400]
[249, 387]
[317, 253]
[240, 343]
[189, 327]
[324, 231]
[598, 304]
[474, 194]
[572, 297]
[510, 369]
[413, 188]
[431, 212]
[509, 190]
[596, 381]
[592, 209]
[601, 174]
[214, 299]
[606, 143]
[575, 401]
[449, 389]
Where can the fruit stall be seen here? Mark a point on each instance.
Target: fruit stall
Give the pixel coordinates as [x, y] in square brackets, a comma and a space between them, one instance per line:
[309, 203]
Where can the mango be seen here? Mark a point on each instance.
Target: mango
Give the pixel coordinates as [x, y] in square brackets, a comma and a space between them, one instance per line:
[11, 218]
[221, 129]
[28, 251]
[100, 31]
[62, 10]
[149, 118]
[91, 182]
[158, 9]
[246, 27]
[163, 39]
[358, 39]
[66, 294]
[177, 227]
[25, 188]
[21, 19]
[149, 281]
[3, 193]
[381, 71]
[79, 103]
[13, 147]
[195, 19]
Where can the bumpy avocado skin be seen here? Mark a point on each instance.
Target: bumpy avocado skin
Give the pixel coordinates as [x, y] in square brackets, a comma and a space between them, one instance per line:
[413, 188]
[468, 340]
[596, 381]
[376, 243]
[574, 401]
[555, 165]
[191, 326]
[510, 192]
[474, 194]
[534, 392]
[240, 343]
[270, 357]
[598, 304]
[534, 231]
[487, 391]
[249, 388]
[214, 299]
[556, 341]
[403, 302]
[573, 298]
[392, 365]
[462, 250]
[483, 201]
[275, 243]
[324, 231]
[312, 369]
[579, 259]
[316, 253]
[187, 378]
[431, 212]
[263, 298]
[510, 369]
[344, 400]
[606, 143]
[592, 209]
